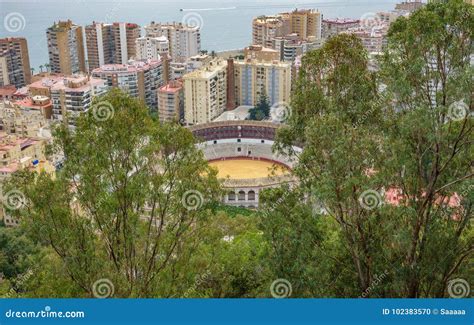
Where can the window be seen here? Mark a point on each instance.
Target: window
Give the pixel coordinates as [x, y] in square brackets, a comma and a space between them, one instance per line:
[239, 140]
[241, 196]
[231, 196]
[251, 196]
[239, 149]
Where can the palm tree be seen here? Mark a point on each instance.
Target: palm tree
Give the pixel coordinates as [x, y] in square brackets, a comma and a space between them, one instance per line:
[47, 66]
[32, 71]
[41, 68]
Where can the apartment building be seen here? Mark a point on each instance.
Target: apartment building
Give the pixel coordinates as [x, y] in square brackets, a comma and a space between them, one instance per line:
[19, 153]
[306, 23]
[14, 62]
[184, 41]
[253, 79]
[260, 53]
[291, 46]
[4, 78]
[265, 28]
[22, 146]
[333, 27]
[152, 48]
[205, 92]
[374, 41]
[41, 105]
[110, 43]
[22, 121]
[171, 102]
[141, 79]
[70, 95]
[410, 6]
[66, 48]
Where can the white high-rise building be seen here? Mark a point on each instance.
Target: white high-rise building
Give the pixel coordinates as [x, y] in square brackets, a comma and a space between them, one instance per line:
[152, 48]
[184, 41]
[140, 79]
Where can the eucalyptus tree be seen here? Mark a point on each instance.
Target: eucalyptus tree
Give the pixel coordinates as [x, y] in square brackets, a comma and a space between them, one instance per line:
[429, 76]
[130, 195]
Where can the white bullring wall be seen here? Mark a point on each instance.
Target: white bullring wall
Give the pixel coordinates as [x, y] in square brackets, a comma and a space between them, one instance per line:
[245, 193]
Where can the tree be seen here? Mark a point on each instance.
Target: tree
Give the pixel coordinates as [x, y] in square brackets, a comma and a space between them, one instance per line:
[361, 143]
[16, 252]
[336, 114]
[225, 262]
[130, 193]
[18, 257]
[428, 75]
[261, 111]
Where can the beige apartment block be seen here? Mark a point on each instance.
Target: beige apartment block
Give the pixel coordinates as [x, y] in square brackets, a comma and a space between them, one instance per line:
[4, 80]
[14, 62]
[265, 28]
[205, 92]
[306, 23]
[260, 53]
[66, 48]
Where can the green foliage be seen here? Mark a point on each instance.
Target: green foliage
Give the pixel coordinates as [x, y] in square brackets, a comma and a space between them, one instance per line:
[355, 140]
[225, 262]
[120, 208]
[261, 111]
[232, 211]
[130, 190]
[16, 250]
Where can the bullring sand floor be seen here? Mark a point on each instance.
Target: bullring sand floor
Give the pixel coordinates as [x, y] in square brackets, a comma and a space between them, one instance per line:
[247, 168]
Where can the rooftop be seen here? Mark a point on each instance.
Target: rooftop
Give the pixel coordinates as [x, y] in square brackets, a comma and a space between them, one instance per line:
[207, 71]
[61, 82]
[36, 102]
[7, 90]
[238, 114]
[131, 66]
[341, 21]
[172, 87]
